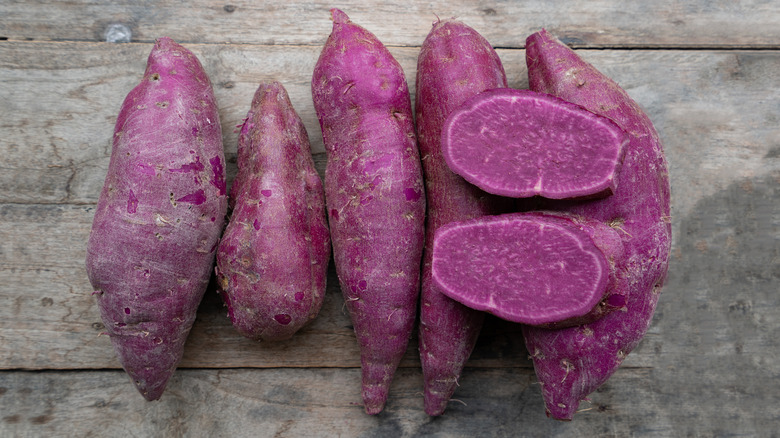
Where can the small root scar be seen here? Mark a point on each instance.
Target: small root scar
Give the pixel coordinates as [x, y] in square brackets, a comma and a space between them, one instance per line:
[391, 314]
[617, 224]
[568, 366]
[343, 306]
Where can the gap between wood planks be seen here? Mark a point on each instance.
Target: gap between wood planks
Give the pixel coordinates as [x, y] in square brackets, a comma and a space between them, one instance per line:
[573, 45]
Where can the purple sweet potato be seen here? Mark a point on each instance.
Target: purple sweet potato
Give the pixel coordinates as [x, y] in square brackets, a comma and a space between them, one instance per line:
[159, 217]
[531, 268]
[273, 257]
[572, 362]
[455, 63]
[375, 195]
[521, 143]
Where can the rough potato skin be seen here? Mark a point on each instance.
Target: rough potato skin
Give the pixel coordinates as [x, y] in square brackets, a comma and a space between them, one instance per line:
[375, 196]
[159, 217]
[571, 363]
[273, 258]
[454, 64]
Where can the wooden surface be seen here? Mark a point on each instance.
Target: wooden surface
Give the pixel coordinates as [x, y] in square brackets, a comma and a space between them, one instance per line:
[707, 73]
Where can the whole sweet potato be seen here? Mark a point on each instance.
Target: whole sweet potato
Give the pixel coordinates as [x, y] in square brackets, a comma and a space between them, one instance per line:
[572, 362]
[455, 63]
[159, 217]
[374, 193]
[273, 257]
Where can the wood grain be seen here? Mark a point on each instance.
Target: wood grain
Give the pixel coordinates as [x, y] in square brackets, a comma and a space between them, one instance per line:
[665, 23]
[327, 403]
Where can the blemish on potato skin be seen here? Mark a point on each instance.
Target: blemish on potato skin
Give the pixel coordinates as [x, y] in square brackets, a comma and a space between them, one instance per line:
[283, 318]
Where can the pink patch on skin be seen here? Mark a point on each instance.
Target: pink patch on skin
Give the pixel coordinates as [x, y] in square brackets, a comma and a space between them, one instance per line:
[132, 203]
[146, 169]
[245, 127]
[283, 318]
[219, 175]
[195, 131]
[334, 214]
[299, 296]
[197, 166]
[213, 219]
[375, 182]
[374, 165]
[362, 284]
[127, 310]
[412, 194]
[256, 224]
[266, 193]
[196, 198]
[366, 200]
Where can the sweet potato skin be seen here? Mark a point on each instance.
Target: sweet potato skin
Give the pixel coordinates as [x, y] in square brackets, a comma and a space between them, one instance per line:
[374, 193]
[159, 216]
[571, 363]
[273, 257]
[454, 64]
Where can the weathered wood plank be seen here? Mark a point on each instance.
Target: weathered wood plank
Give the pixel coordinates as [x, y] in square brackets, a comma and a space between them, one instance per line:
[669, 23]
[717, 112]
[326, 403]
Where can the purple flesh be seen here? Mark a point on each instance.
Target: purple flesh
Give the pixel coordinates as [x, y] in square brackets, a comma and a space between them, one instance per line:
[524, 268]
[521, 143]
